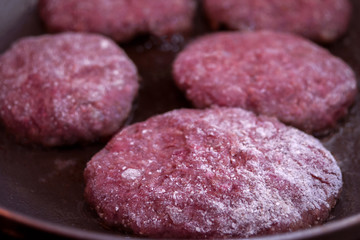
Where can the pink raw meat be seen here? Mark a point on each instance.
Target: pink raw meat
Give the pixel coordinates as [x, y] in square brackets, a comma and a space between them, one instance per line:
[320, 20]
[119, 19]
[212, 173]
[66, 88]
[270, 73]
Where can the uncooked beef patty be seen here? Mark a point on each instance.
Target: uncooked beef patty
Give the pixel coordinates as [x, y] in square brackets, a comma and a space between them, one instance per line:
[320, 20]
[220, 172]
[271, 73]
[66, 88]
[119, 19]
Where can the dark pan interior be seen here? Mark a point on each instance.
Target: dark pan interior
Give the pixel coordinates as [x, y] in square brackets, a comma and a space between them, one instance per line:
[41, 190]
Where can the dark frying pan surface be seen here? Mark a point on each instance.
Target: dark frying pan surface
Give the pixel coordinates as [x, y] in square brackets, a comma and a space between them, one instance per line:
[41, 190]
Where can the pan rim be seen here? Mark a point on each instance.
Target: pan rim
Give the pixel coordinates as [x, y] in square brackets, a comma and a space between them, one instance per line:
[59, 230]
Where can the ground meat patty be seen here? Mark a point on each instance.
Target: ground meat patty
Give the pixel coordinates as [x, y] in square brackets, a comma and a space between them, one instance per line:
[321, 20]
[119, 19]
[65, 88]
[220, 172]
[275, 74]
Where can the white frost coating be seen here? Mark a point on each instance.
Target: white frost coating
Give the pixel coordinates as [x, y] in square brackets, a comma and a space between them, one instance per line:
[220, 170]
[269, 73]
[131, 174]
[104, 44]
[77, 81]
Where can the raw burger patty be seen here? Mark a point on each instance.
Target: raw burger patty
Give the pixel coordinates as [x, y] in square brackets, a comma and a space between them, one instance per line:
[271, 73]
[119, 19]
[220, 172]
[65, 88]
[321, 20]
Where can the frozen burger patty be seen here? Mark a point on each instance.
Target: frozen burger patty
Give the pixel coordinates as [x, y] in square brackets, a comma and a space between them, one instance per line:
[271, 73]
[320, 20]
[66, 88]
[118, 19]
[220, 172]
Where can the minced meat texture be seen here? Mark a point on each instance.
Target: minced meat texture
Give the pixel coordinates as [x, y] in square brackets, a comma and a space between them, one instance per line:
[66, 88]
[121, 20]
[271, 73]
[320, 20]
[222, 172]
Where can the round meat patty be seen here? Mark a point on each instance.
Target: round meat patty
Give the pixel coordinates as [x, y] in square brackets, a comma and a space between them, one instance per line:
[65, 88]
[320, 20]
[221, 172]
[271, 73]
[118, 19]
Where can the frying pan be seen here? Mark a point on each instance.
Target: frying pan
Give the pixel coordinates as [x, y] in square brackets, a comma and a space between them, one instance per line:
[41, 189]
